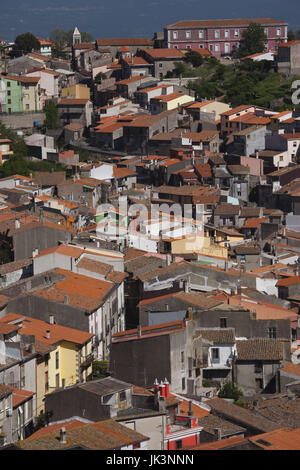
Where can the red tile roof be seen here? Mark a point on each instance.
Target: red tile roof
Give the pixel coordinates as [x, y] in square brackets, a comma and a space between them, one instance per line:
[58, 333]
[165, 53]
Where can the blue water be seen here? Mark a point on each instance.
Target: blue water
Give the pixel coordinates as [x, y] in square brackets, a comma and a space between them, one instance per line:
[128, 18]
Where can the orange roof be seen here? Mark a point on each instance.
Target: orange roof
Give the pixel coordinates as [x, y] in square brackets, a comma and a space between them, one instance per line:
[132, 61]
[73, 101]
[58, 333]
[280, 439]
[222, 444]
[19, 396]
[253, 222]
[291, 368]
[279, 115]
[53, 428]
[131, 80]
[165, 53]
[184, 407]
[288, 281]
[170, 97]
[200, 104]
[236, 110]
[202, 51]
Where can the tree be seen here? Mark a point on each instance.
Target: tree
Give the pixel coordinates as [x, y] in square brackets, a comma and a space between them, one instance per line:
[86, 37]
[51, 111]
[193, 58]
[291, 35]
[230, 390]
[99, 77]
[25, 43]
[253, 41]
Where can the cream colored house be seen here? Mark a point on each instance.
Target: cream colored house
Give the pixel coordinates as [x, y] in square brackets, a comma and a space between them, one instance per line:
[159, 104]
[31, 94]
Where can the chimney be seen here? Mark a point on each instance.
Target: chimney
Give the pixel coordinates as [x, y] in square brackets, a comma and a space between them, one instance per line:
[62, 436]
[51, 319]
[48, 334]
[139, 331]
[162, 389]
[190, 412]
[217, 432]
[156, 386]
[167, 386]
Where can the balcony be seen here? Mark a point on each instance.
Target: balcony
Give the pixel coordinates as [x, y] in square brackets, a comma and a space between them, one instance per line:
[86, 360]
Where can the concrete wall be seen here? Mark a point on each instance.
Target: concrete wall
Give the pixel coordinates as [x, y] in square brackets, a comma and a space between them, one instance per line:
[22, 121]
[41, 237]
[141, 361]
[246, 377]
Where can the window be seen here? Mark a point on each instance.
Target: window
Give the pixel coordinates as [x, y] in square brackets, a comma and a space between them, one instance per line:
[236, 33]
[272, 333]
[8, 84]
[217, 47]
[266, 31]
[9, 101]
[258, 368]
[46, 382]
[223, 322]
[160, 65]
[122, 396]
[182, 357]
[175, 35]
[183, 383]
[227, 48]
[217, 34]
[211, 47]
[188, 46]
[215, 355]
[226, 33]
[8, 93]
[27, 106]
[190, 373]
[201, 34]
[278, 31]
[188, 34]
[57, 380]
[57, 360]
[178, 444]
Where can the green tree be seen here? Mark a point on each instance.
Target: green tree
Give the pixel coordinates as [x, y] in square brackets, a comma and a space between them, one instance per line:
[25, 43]
[179, 69]
[230, 390]
[193, 58]
[291, 35]
[51, 111]
[86, 37]
[99, 77]
[253, 40]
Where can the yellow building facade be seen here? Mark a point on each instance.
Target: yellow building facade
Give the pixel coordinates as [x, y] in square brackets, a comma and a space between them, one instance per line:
[77, 91]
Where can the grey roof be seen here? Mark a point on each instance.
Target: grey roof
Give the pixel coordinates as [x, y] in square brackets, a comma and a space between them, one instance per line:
[217, 335]
[156, 318]
[104, 386]
[246, 250]
[240, 416]
[211, 422]
[259, 349]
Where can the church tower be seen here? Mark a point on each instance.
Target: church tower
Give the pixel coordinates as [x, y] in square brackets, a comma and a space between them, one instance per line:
[76, 36]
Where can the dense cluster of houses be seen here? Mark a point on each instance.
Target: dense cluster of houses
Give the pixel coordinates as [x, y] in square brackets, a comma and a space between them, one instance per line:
[168, 259]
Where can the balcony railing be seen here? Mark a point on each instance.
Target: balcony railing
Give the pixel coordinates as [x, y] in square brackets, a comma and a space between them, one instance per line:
[86, 360]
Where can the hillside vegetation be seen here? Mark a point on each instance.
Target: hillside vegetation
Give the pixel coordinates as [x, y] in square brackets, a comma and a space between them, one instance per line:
[238, 83]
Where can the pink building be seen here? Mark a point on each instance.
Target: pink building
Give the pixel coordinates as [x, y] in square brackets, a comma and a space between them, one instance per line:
[221, 37]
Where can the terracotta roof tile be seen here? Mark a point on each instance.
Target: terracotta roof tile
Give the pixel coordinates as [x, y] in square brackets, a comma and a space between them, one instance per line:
[259, 349]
